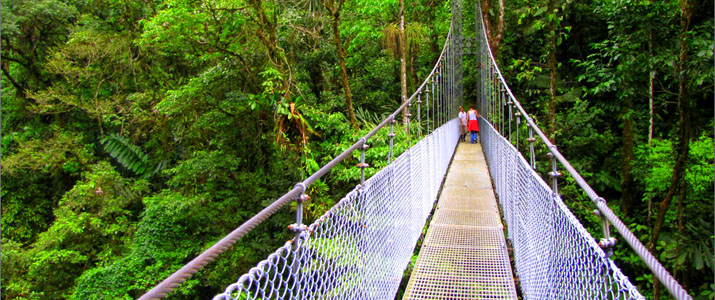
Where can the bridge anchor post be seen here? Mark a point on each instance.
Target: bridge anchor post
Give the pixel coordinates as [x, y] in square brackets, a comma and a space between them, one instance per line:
[518, 124]
[298, 228]
[554, 174]
[362, 165]
[531, 140]
[392, 137]
[607, 243]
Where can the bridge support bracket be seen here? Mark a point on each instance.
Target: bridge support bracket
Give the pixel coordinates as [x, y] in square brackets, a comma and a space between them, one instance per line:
[607, 243]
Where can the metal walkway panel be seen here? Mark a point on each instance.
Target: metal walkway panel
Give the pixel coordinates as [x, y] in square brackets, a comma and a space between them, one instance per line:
[464, 254]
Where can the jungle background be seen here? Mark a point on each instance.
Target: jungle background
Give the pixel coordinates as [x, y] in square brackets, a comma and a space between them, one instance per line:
[136, 133]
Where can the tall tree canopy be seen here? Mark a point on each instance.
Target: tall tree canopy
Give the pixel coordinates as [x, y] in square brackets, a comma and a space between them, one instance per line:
[138, 133]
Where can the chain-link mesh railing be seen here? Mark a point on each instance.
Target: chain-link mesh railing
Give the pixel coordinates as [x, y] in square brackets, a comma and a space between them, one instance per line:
[555, 257]
[361, 247]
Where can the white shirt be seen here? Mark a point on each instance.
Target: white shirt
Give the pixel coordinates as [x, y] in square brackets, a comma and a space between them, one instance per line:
[472, 115]
[463, 117]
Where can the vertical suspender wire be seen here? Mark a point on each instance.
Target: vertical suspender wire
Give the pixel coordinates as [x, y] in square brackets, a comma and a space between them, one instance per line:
[498, 107]
[453, 101]
[419, 115]
[495, 112]
[451, 81]
[429, 105]
[493, 101]
[447, 109]
[510, 120]
[434, 95]
[440, 100]
[437, 92]
[441, 94]
[436, 99]
[445, 82]
[502, 104]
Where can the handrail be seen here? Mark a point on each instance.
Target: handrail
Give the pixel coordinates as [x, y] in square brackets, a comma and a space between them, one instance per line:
[653, 264]
[174, 280]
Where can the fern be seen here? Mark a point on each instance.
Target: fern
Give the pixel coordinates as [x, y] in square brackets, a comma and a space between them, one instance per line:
[367, 117]
[129, 155]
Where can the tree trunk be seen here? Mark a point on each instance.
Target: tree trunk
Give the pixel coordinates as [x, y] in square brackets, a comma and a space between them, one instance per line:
[681, 233]
[267, 34]
[413, 73]
[403, 62]
[684, 132]
[628, 158]
[487, 21]
[552, 64]
[499, 35]
[494, 37]
[343, 69]
[651, 76]
[434, 47]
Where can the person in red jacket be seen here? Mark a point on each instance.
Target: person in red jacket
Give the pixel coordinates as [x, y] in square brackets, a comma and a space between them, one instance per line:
[473, 116]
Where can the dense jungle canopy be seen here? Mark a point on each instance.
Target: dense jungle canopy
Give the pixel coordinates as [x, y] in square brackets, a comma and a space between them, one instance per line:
[136, 133]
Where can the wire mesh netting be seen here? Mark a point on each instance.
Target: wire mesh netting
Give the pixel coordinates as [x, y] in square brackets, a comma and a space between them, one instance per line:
[555, 257]
[361, 247]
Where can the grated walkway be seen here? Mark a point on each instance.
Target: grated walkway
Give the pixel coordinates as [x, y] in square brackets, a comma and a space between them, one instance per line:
[464, 254]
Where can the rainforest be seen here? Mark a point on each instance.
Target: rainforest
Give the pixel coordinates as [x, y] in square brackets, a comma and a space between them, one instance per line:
[137, 133]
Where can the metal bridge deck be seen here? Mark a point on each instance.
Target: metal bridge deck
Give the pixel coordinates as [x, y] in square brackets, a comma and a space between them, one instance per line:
[464, 254]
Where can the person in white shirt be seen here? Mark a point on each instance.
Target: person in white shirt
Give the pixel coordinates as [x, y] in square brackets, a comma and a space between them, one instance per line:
[462, 124]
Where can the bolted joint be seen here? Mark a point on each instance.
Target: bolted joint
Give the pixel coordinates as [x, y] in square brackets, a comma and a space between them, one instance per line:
[297, 228]
[365, 146]
[362, 165]
[391, 135]
[553, 174]
[303, 198]
[607, 244]
[518, 114]
[427, 90]
[408, 115]
[599, 200]
[393, 121]
[531, 140]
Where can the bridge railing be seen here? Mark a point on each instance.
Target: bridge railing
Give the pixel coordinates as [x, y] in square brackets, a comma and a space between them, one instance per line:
[358, 249]
[555, 257]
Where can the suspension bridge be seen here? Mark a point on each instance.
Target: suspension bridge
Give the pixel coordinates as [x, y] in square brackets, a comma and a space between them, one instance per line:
[362, 246]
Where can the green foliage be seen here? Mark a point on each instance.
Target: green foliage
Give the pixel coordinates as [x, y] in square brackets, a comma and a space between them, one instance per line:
[193, 100]
[93, 224]
[129, 155]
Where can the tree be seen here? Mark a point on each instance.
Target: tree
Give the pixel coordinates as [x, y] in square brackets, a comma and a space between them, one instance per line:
[495, 36]
[335, 7]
